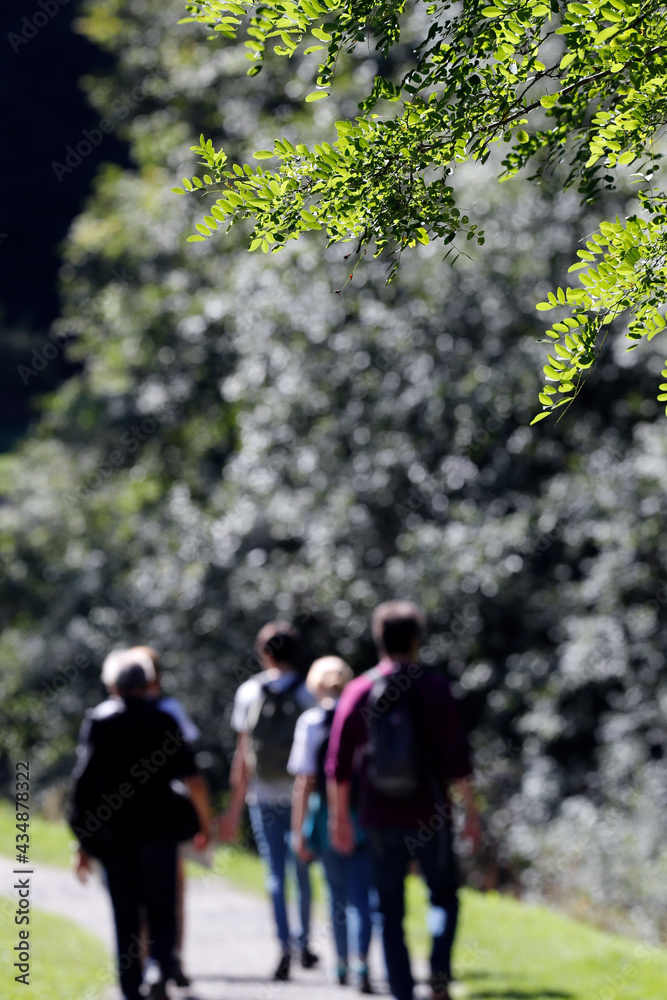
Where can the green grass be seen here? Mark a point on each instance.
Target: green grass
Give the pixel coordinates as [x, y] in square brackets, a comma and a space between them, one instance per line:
[49, 841]
[505, 950]
[66, 963]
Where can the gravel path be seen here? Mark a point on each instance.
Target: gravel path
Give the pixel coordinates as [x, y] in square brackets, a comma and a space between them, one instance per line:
[229, 949]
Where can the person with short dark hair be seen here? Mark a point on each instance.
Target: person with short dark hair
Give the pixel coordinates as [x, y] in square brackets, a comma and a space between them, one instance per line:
[266, 709]
[396, 626]
[125, 812]
[413, 825]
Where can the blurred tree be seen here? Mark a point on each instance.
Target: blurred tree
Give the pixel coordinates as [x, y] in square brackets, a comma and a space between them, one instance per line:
[240, 443]
[582, 81]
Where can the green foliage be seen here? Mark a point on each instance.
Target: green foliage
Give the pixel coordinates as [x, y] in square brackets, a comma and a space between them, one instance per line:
[576, 83]
[67, 961]
[631, 274]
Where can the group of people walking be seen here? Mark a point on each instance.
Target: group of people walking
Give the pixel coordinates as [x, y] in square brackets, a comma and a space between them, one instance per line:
[355, 772]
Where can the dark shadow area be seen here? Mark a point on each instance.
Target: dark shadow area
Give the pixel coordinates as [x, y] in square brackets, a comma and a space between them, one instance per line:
[46, 115]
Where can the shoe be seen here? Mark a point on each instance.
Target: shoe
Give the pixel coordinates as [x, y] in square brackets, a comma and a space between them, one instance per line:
[308, 960]
[178, 977]
[154, 986]
[365, 984]
[440, 988]
[363, 980]
[341, 973]
[281, 974]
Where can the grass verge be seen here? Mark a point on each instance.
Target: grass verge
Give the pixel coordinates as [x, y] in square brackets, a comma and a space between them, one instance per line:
[65, 963]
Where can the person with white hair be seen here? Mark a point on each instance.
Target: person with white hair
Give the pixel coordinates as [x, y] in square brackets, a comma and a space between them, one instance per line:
[149, 658]
[126, 812]
[348, 876]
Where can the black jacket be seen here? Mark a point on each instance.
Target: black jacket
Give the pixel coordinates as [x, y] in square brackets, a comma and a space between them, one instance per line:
[130, 753]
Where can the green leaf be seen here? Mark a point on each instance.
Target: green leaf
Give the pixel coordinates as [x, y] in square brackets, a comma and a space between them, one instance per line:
[263, 154]
[316, 95]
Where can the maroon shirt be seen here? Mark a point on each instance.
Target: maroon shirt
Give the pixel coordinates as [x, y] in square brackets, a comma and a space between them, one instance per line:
[446, 740]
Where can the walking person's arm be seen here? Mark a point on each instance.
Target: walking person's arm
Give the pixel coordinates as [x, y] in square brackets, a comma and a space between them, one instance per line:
[230, 821]
[348, 733]
[304, 784]
[198, 792]
[341, 828]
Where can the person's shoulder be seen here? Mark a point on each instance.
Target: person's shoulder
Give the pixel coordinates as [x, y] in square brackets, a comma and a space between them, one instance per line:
[433, 678]
[357, 690]
[104, 719]
[105, 709]
[306, 699]
[312, 718]
[249, 688]
[435, 685]
[167, 702]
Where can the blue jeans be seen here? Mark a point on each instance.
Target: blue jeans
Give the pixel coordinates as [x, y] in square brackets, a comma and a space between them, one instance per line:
[271, 827]
[392, 850]
[348, 878]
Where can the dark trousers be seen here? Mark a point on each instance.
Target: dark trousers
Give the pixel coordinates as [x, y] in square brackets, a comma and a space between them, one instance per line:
[392, 851]
[142, 878]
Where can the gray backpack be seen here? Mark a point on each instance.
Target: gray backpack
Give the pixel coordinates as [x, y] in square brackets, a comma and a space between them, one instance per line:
[271, 724]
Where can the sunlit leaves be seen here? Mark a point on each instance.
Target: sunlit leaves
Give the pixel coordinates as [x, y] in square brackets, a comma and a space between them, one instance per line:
[478, 77]
[630, 266]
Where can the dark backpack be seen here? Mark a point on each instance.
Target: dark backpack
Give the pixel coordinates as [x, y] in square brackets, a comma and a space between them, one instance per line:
[271, 724]
[395, 752]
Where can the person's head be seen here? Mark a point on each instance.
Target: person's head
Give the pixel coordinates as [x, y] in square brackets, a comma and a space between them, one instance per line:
[151, 654]
[127, 673]
[277, 645]
[327, 677]
[397, 628]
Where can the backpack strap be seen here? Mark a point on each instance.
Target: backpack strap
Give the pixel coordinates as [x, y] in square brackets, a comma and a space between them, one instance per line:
[322, 748]
[266, 682]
